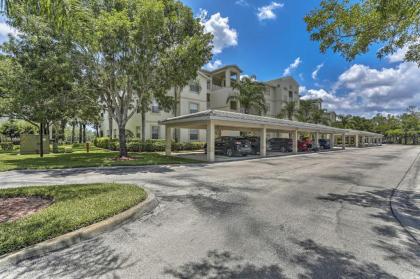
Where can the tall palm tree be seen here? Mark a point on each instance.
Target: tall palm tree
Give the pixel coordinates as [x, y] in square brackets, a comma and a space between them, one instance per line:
[305, 110]
[345, 120]
[249, 94]
[289, 111]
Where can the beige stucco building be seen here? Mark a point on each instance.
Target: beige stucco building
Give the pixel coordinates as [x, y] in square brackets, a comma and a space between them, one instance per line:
[209, 90]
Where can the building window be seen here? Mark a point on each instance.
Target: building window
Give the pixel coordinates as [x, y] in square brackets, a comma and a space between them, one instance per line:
[195, 86]
[155, 132]
[194, 134]
[290, 95]
[138, 132]
[267, 91]
[115, 134]
[233, 105]
[155, 106]
[194, 107]
[268, 107]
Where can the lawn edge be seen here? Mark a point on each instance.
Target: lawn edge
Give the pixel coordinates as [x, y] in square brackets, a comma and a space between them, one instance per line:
[71, 238]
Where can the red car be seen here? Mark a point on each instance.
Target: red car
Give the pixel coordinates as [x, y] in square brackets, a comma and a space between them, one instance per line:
[303, 146]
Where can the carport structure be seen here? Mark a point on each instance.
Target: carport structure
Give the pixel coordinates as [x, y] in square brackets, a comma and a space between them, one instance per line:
[362, 138]
[212, 120]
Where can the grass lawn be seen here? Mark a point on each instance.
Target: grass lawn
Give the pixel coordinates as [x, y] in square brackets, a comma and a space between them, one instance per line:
[79, 158]
[74, 206]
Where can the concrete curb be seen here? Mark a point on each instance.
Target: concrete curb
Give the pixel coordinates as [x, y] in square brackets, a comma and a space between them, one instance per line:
[77, 236]
[403, 201]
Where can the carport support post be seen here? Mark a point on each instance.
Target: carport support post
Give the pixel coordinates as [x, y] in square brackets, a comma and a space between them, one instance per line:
[316, 140]
[356, 140]
[263, 142]
[295, 141]
[210, 141]
[343, 141]
[332, 141]
[168, 140]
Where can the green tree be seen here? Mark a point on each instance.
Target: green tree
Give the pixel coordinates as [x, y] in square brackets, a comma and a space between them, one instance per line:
[10, 129]
[289, 111]
[351, 27]
[37, 75]
[249, 93]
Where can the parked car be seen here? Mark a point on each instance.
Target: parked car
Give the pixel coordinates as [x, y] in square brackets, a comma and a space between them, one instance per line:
[232, 146]
[324, 144]
[303, 146]
[280, 144]
[255, 144]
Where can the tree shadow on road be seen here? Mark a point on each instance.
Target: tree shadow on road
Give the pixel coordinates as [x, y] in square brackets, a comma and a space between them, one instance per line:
[91, 258]
[325, 262]
[224, 265]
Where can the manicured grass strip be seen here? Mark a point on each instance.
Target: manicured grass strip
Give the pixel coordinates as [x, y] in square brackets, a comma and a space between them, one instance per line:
[74, 207]
[79, 158]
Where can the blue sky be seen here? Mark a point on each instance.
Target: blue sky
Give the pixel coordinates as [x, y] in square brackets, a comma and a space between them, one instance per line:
[266, 37]
[269, 39]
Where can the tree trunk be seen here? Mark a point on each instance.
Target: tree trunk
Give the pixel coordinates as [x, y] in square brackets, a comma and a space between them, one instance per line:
[63, 130]
[97, 130]
[122, 140]
[84, 133]
[176, 106]
[143, 126]
[110, 127]
[80, 132]
[55, 139]
[73, 132]
[41, 138]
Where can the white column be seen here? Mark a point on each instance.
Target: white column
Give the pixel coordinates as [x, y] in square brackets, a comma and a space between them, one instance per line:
[343, 141]
[227, 78]
[210, 141]
[168, 140]
[316, 140]
[295, 141]
[263, 142]
[332, 141]
[356, 140]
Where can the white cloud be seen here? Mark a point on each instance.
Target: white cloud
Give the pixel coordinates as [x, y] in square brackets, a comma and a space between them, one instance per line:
[5, 30]
[242, 3]
[366, 91]
[292, 67]
[267, 12]
[224, 35]
[213, 65]
[316, 71]
[398, 56]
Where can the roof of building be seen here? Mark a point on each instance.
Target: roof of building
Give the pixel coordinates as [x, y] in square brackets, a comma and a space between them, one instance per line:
[255, 119]
[221, 69]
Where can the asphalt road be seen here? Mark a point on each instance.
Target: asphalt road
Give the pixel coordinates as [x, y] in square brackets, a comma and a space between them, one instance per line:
[311, 216]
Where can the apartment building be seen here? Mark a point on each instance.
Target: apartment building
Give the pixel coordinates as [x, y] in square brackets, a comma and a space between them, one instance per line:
[209, 90]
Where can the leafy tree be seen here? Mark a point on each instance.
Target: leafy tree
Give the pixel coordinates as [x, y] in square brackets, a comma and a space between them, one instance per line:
[38, 74]
[249, 93]
[289, 111]
[132, 50]
[10, 129]
[351, 27]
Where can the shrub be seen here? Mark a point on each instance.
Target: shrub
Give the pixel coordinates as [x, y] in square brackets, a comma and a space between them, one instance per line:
[77, 145]
[68, 150]
[106, 143]
[6, 146]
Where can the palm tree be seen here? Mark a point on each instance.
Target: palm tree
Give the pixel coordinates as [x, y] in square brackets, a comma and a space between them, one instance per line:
[249, 94]
[305, 110]
[345, 120]
[289, 110]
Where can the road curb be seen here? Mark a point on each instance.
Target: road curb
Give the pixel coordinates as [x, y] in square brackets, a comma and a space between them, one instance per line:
[77, 236]
[402, 201]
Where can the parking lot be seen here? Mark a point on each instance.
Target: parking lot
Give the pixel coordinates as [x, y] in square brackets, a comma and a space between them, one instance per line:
[324, 215]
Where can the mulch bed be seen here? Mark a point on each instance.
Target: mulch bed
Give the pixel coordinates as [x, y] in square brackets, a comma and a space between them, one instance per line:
[12, 209]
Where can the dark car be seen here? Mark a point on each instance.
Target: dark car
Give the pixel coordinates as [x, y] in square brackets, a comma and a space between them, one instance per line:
[233, 146]
[255, 144]
[280, 144]
[324, 144]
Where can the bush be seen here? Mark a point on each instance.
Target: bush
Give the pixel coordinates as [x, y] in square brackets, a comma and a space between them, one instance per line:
[6, 146]
[147, 146]
[78, 145]
[106, 143]
[68, 150]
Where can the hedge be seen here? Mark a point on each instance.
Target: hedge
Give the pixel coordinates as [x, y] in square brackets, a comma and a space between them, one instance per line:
[6, 146]
[147, 146]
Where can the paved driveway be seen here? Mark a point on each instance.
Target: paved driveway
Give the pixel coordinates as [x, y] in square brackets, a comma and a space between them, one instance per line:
[311, 216]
